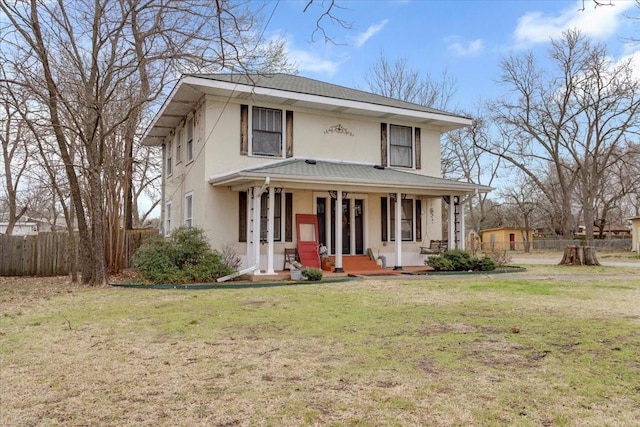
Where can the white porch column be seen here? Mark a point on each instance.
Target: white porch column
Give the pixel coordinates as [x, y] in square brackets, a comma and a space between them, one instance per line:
[256, 228]
[452, 222]
[250, 240]
[327, 223]
[463, 236]
[270, 230]
[338, 218]
[398, 265]
[352, 226]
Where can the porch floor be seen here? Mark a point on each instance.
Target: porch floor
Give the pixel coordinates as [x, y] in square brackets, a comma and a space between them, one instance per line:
[389, 271]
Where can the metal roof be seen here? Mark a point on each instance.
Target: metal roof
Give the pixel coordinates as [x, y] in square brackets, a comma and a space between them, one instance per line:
[290, 92]
[327, 175]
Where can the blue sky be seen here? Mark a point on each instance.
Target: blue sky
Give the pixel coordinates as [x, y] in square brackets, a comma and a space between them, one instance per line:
[466, 38]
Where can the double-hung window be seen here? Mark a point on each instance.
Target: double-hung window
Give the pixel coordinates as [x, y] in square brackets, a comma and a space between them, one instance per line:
[189, 140]
[277, 216]
[411, 213]
[266, 136]
[282, 216]
[188, 210]
[169, 154]
[179, 146]
[167, 219]
[400, 146]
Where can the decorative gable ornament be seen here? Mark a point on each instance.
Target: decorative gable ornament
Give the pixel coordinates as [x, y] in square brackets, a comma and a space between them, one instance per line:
[338, 129]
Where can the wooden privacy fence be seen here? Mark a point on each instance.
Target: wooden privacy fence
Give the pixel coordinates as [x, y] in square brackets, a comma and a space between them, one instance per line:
[49, 254]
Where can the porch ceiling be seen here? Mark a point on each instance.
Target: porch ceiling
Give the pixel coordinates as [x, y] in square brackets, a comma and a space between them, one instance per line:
[351, 177]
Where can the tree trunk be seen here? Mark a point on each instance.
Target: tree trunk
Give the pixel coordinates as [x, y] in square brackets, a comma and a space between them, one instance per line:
[590, 256]
[579, 255]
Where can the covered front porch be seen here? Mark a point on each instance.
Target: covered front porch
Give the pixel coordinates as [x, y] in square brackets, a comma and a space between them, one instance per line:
[349, 208]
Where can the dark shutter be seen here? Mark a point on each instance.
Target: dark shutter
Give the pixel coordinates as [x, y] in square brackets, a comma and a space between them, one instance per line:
[242, 216]
[418, 220]
[383, 216]
[289, 130]
[418, 149]
[383, 144]
[244, 129]
[288, 217]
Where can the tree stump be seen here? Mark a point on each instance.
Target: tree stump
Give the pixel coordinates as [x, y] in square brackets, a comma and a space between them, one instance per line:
[579, 255]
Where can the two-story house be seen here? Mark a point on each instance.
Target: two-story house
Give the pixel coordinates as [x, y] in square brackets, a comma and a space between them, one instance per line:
[268, 162]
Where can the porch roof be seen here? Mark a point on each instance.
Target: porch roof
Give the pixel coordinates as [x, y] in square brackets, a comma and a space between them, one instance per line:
[352, 177]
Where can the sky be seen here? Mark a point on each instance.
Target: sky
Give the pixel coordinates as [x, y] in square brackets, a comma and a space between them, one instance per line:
[465, 38]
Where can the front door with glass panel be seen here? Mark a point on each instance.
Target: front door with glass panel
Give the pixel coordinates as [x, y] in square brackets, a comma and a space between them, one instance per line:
[357, 228]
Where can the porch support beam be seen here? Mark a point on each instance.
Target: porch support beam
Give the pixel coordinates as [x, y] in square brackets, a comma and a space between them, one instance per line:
[257, 194]
[462, 226]
[270, 230]
[338, 219]
[398, 232]
[352, 225]
[452, 222]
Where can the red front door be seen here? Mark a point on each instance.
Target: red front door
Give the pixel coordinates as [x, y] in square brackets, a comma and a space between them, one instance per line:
[307, 226]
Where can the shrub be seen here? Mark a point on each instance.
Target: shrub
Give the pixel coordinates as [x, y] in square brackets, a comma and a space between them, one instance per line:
[484, 264]
[440, 263]
[185, 256]
[459, 260]
[312, 274]
[500, 258]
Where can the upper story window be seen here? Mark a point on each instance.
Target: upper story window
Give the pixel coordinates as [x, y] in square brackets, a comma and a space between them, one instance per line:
[188, 210]
[266, 136]
[169, 154]
[179, 146]
[167, 219]
[400, 146]
[189, 140]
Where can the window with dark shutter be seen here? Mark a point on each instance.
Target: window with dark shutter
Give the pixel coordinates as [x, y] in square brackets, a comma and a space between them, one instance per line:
[289, 125]
[418, 148]
[383, 216]
[288, 217]
[418, 220]
[383, 144]
[244, 130]
[242, 216]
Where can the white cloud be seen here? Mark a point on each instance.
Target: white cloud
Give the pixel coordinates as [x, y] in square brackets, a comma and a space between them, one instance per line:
[461, 48]
[634, 57]
[594, 22]
[361, 39]
[309, 60]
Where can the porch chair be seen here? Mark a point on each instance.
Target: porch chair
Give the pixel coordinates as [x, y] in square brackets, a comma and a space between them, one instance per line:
[290, 256]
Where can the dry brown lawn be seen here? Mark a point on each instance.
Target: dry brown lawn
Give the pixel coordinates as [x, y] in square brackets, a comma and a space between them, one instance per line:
[535, 349]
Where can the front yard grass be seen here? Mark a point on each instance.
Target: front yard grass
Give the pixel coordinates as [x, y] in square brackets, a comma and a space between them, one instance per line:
[537, 349]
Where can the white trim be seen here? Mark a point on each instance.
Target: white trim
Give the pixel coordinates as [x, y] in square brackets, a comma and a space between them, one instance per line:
[318, 99]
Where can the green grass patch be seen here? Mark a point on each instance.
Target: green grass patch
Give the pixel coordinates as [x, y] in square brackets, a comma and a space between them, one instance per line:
[433, 351]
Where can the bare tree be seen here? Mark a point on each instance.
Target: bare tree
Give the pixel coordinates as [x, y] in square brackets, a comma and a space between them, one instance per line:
[463, 160]
[399, 81]
[14, 138]
[566, 127]
[98, 66]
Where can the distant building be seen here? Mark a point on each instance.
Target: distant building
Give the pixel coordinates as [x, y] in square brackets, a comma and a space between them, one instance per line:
[617, 230]
[635, 233]
[24, 227]
[506, 239]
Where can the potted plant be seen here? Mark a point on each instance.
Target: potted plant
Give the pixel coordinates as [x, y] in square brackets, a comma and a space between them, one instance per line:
[325, 262]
